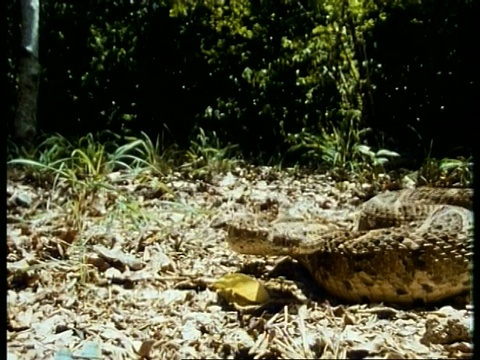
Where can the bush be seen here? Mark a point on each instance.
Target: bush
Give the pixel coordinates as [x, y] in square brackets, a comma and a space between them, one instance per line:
[260, 74]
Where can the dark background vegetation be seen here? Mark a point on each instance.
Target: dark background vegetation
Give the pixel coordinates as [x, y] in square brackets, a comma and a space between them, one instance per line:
[277, 78]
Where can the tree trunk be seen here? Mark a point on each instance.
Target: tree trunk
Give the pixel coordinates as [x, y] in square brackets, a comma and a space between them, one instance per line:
[25, 124]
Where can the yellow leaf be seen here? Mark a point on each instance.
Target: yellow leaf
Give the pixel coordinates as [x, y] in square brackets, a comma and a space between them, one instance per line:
[241, 289]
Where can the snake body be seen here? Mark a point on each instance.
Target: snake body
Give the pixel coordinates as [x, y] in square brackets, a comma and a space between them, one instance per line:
[411, 246]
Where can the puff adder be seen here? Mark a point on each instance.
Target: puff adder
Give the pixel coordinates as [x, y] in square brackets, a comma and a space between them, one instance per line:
[409, 246]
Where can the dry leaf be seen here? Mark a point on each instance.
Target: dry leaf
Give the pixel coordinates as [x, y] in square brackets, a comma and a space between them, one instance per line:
[241, 289]
[145, 348]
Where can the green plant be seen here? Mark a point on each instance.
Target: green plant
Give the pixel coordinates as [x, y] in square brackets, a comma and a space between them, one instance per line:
[80, 168]
[206, 154]
[459, 170]
[87, 162]
[90, 158]
[343, 147]
[127, 209]
[49, 149]
[446, 172]
[143, 153]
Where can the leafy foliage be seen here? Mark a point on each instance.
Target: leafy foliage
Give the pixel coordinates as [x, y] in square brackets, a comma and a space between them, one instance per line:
[206, 156]
[446, 172]
[266, 75]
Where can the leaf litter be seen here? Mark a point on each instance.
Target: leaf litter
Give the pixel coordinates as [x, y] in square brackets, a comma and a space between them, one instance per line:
[134, 270]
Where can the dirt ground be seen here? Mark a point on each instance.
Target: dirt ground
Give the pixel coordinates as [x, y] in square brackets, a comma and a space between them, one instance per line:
[124, 269]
